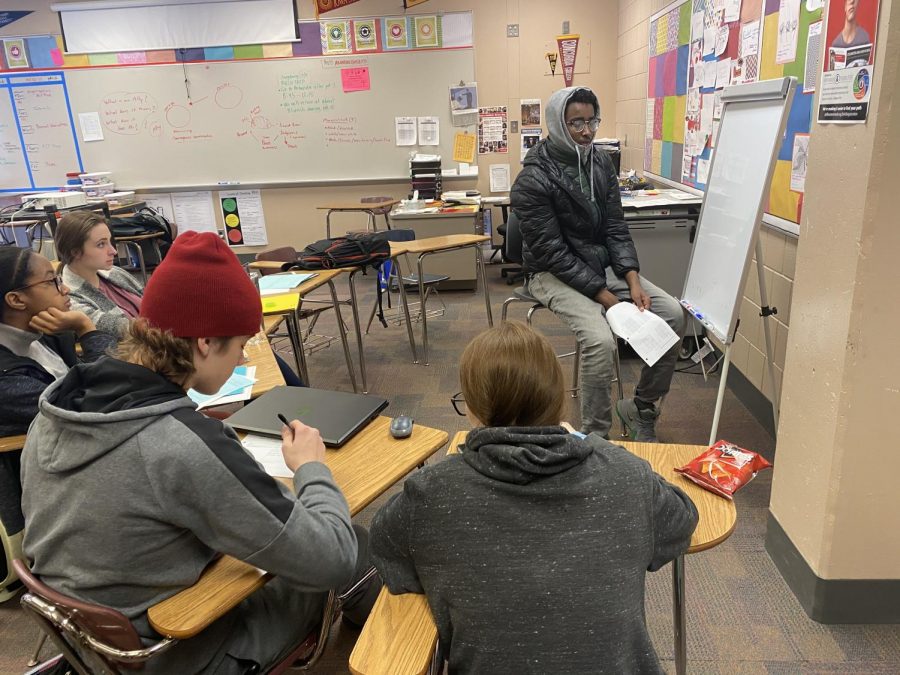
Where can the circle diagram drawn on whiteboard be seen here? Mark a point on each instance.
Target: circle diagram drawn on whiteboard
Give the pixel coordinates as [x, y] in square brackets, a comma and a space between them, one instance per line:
[228, 96]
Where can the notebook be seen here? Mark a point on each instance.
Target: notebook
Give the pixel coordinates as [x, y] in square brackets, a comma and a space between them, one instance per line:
[336, 414]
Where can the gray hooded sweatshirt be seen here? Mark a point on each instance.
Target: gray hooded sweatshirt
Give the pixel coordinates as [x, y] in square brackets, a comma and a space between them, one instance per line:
[532, 546]
[129, 493]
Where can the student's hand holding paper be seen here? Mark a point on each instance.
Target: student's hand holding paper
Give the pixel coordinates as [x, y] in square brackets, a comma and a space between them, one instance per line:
[301, 444]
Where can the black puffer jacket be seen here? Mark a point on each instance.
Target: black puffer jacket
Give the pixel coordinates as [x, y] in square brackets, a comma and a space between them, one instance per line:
[555, 219]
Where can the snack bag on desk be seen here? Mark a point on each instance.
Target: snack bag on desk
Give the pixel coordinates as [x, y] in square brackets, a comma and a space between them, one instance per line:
[724, 469]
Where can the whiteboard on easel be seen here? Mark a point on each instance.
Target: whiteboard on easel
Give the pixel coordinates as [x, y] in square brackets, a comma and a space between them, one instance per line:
[753, 122]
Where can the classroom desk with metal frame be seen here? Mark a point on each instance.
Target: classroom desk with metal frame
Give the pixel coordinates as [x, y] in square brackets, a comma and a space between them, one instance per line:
[370, 208]
[322, 277]
[364, 468]
[400, 636]
[429, 246]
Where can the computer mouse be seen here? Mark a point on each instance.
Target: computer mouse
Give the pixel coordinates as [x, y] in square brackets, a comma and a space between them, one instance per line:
[401, 426]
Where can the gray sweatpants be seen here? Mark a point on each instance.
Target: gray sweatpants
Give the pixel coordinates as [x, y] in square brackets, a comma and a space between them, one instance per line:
[587, 319]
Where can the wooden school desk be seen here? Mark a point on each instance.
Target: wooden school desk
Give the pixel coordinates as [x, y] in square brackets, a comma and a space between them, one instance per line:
[369, 464]
[268, 374]
[369, 208]
[321, 278]
[423, 248]
[400, 636]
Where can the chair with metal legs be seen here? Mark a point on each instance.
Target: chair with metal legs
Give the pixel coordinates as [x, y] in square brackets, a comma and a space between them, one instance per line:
[96, 639]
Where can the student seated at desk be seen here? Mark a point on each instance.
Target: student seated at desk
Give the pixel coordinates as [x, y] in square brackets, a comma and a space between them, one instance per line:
[38, 334]
[173, 488]
[532, 544]
[110, 296]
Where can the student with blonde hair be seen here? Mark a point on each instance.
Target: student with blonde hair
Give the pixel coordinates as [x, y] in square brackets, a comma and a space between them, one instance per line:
[161, 490]
[532, 543]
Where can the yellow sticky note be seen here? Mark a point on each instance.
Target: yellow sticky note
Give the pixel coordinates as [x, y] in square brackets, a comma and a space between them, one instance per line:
[464, 148]
[282, 302]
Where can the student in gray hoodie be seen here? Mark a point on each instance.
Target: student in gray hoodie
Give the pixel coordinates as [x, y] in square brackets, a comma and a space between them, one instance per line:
[129, 492]
[532, 543]
[580, 259]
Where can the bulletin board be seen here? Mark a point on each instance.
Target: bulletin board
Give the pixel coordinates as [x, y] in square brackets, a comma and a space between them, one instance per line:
[696, 48]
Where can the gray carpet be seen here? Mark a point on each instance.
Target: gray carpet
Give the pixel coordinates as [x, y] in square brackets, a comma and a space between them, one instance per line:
[741, 616]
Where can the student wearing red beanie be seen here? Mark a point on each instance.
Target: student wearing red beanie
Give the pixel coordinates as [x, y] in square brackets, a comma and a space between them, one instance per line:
[174, 489]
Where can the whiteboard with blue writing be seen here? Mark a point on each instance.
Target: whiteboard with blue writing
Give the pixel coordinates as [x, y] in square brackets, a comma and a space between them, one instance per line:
[38, 145]
[266, 122]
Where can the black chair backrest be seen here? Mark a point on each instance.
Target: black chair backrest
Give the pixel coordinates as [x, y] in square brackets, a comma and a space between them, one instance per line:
[513, 252]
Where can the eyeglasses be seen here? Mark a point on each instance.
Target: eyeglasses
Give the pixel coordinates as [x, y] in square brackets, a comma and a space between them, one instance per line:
[458, 403]
[579, 124]
[56, 281]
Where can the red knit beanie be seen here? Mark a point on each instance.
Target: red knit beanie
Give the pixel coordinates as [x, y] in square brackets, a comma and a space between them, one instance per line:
[201, 290]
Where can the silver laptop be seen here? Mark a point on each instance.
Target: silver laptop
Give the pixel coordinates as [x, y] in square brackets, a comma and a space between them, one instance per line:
[336, 414]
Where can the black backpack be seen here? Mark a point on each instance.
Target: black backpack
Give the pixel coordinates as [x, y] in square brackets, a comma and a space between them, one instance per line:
[367, 249]
[145, 221]
[364, 250]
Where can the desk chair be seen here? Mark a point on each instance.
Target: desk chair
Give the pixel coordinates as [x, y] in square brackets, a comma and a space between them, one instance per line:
[383, 211]
[513, 242]
[98, 639]
[515, 273]
[410, 281]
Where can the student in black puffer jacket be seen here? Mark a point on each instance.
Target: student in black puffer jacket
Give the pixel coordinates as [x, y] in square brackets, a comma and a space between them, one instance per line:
[580, 259]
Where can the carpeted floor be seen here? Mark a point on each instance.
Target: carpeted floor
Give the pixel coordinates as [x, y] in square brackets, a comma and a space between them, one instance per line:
[741, 616]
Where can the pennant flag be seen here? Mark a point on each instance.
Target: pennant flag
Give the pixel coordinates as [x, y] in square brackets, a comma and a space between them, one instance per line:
[568, 50]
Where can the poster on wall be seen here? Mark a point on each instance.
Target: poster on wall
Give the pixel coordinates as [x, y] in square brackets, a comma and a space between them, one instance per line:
[492, 129]
[847, 69]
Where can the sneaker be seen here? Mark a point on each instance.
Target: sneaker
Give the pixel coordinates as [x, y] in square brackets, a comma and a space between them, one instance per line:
[640, 424]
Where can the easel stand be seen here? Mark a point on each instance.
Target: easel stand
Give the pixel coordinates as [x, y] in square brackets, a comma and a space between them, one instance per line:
[766, 312]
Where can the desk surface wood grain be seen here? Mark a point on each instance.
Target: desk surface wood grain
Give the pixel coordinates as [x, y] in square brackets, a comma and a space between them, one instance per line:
[369, 464]
[268, 374]
[434, 244]
[10, 443]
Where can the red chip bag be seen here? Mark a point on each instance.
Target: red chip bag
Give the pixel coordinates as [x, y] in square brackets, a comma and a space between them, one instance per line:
[724, 468]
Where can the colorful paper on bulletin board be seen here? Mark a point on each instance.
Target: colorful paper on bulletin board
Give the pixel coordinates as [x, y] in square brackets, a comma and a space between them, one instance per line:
[667, 141]
[464, 148]
[568, 52]
[355, 79]
[40, 51]
[335, 37]
[395, 32]
[16, 56]
[323, 6]
[365, 37]
[425, 31]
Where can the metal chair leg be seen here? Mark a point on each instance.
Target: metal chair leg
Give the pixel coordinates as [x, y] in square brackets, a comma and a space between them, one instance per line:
[576, 368]
[622, 430]
[35, 658]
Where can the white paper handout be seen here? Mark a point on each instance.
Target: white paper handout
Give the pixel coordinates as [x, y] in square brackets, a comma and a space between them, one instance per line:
[499, 177]
[732, 10]
[91, 129]
[194, 211]
[749, 39]
[788, 31]
[405, 128]
[799, 162]
[649, 336]
[723, 73]
[429, 131]
[267, 451]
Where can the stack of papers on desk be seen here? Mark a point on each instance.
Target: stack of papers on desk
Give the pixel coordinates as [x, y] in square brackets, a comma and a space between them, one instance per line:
[647, 334]
[272, 284]
[267, 451]
[237, 388]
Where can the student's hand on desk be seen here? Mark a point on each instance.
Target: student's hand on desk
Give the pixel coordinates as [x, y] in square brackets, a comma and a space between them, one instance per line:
[55, 320]
[301, 444]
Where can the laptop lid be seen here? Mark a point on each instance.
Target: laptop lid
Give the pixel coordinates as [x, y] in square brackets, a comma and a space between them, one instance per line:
[336, 414]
